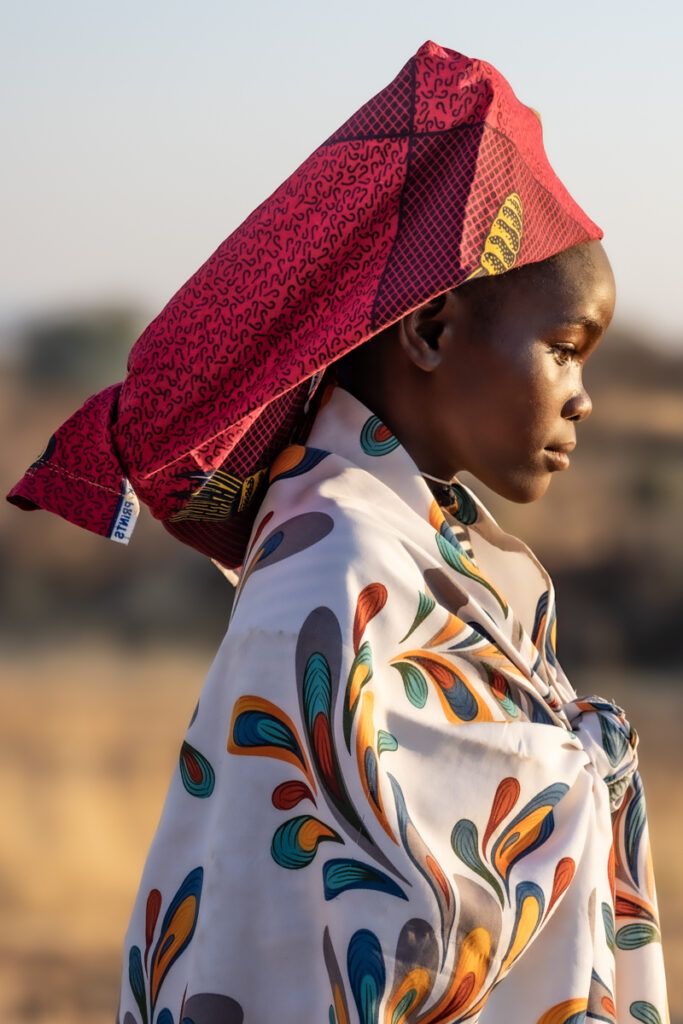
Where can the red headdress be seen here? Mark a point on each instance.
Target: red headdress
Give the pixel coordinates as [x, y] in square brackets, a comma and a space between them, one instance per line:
[440, 177]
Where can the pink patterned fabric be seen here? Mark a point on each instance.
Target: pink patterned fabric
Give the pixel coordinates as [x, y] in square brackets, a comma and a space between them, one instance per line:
[440, 177]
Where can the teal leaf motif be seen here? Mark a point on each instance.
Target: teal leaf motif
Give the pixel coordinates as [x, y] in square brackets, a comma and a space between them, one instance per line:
[645, 1012]
[386, 742]
[425, 606]
[465, 843]
[414, 683]
[342, 874]
[608, 921]
[633, 936]
[454, 557]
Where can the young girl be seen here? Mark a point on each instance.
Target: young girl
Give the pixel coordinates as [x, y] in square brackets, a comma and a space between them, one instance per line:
[390, 804]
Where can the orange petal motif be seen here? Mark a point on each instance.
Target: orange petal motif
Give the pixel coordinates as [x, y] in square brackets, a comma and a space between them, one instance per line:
[563, 1012]
[505, 799]
[371, 600]
[564, 872]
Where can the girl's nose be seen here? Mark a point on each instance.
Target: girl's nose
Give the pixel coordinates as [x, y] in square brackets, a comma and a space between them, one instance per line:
[578, 407]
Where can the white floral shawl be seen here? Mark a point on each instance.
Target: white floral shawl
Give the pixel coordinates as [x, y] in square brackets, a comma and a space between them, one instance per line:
[390, 805]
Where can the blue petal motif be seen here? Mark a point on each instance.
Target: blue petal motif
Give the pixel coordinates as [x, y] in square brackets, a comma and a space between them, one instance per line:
[634, 826]
[261, 729]
[137, 980]
[365, 965]
[341, 874]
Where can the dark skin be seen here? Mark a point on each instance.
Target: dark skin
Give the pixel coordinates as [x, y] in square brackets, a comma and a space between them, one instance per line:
[487, 378]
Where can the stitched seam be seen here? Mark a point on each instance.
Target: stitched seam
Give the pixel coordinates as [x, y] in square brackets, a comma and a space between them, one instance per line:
[32, 471]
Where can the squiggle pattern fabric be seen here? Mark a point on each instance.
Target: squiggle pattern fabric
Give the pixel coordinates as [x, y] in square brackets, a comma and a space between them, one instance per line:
[390, 804]
[440, 177]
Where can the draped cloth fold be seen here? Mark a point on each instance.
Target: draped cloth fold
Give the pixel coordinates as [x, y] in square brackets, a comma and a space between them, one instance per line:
[390, 805]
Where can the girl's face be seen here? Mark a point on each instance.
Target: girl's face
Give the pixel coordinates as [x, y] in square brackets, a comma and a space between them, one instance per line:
[508, 392]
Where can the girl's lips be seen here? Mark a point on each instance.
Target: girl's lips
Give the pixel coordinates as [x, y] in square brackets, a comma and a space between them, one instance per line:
[557, 458]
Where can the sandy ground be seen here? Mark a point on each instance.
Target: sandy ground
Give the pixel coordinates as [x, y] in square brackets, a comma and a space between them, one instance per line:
[88, 740]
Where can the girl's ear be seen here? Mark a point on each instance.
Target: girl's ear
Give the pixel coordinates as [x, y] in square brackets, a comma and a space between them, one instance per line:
[420, 332]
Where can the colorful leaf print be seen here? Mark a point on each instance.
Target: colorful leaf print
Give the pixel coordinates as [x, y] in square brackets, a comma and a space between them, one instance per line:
[296, 842]
[367, 760]
[645, 1012]
[289, 794]
[152, 909]
[545, 627]
[177, 929]
[339, 1011]
[360, 675]
[415, 966]
[463, 508]
[376, 439]
[600, 1001]
[295, 461]
[367, 975]
[571, 1011]
[288, 539]
[458, 697]
[564, 872]
[197, 774]
[608, 922]
[414, 683]
[137, 981]
[472, 966]
[455, 557]
[528, 831]
[500, 688]
[506, 796]
[427, 865]
[318, 664]
[529, 906]
[633, 936]
[465, 843]
[634, 826]
[261, 729]
[370, 602]
[425, 606]
[633, 906]
[386, 742]
[342, 874]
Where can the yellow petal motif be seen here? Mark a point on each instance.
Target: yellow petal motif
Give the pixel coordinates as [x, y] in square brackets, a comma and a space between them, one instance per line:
[503, 241]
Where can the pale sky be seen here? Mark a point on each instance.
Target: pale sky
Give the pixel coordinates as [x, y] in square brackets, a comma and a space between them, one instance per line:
[137, 134]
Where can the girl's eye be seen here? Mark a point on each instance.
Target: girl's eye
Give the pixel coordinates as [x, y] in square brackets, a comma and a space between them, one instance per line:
[563, 353]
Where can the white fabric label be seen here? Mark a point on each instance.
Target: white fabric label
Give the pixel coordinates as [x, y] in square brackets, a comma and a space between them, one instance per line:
[126, 516]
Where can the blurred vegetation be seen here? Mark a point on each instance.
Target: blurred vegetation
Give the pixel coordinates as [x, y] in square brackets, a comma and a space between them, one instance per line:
[609, 531]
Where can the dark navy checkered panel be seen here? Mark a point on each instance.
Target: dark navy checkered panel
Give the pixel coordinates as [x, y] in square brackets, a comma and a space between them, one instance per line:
[388, 113]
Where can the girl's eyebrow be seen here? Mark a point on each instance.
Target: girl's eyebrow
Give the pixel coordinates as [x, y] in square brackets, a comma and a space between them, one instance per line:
[589, 322]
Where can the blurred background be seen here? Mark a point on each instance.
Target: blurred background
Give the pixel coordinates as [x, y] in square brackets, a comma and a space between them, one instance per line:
[137, 136]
